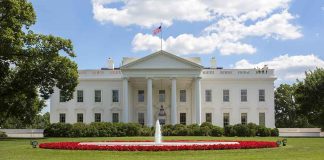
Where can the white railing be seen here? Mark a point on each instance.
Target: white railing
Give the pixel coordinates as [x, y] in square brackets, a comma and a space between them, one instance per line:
[238, 73]
[97, 74]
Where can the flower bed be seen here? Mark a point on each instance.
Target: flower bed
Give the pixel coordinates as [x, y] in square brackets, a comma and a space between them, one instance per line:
[76, 146]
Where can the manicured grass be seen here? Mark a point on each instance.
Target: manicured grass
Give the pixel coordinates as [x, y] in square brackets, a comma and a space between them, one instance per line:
[297, 148]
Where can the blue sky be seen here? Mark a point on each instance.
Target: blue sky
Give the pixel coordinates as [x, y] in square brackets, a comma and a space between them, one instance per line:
[287, 35]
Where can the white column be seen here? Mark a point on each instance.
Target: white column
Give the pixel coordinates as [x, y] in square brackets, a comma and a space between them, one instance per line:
[198, 100]
[125, 100]
[174, 102]
[149, 103]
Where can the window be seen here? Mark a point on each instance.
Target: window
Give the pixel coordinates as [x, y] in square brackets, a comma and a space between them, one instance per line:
[97, 117]
[115, 117]
[208, 95]
[209, 117]
[141, 118]
[115, 96]
[244, 118]
[62, 98]
[243, 95]
[261, 95]
[80, 117]
[140, 95]
[97, 95]
[161, 95]
[79, 95]
[183, 96]
[226, 95]
[262, 118]
[226, 119]
[183, 118]
[62, 117]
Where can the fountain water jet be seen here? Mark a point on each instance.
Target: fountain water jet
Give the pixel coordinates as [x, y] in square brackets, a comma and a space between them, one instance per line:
[158, 136]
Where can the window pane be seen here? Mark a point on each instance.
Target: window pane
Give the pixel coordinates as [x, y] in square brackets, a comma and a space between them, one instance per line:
[141, 118]
[261, 95]
[183, 118]
[97, 117]
[208, 95]
[183, 97]
[80, 96]
[243, 95]
[226, 95]
[62, 117]
[115, 117]
[262, 118]
[97, 95]
[80, 117]
[62, 99]
[209, 117]
[226, 119]
[161, 95]
[140, 95]
[243, 118]
[115, 96]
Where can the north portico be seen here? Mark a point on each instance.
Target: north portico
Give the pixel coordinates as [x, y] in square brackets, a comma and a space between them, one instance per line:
[165, 72]
[172, 89]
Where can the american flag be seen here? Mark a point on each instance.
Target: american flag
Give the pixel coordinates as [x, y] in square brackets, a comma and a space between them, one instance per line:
[157, 30]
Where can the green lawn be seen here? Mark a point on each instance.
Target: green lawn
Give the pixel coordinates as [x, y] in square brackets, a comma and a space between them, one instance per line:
[297, 148]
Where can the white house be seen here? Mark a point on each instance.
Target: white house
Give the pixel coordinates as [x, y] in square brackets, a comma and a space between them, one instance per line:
[170, 88]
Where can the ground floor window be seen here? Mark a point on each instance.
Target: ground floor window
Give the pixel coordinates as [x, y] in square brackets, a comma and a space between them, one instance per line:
[183, 118]
[62, 117]
[262, 118]
[97, 117]
[115, 117]
[244, 118]
[80, 118]
[209, 117]
[141, 119]
[226, 119]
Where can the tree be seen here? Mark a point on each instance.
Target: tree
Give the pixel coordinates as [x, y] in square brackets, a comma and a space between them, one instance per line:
[287, 111]
[31, 64]
[310, 95]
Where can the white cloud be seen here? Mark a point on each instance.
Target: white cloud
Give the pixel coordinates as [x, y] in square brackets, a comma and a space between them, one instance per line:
[230, 21]
[287, 68]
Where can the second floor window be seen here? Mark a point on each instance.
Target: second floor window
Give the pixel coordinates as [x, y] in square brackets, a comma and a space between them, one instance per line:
[261, 95]
[79, 95]
[62, 98]
[183, 95]
[115, 96]
[243, 95]
[97, 95]
[140, 96]
[226, 97]
[208, 95]
[161, 95]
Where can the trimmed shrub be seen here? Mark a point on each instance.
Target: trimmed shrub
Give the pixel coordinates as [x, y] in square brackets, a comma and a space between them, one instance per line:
[263, 131]
[229, 131]
[58, 130]
[217, 131]
[242, 130]
[167, 130]
[180, 130]
[146, 131]
[274, 132]
[3, 135]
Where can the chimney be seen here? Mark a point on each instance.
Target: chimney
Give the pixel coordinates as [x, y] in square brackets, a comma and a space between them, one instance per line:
[111, 64]
[213, 62]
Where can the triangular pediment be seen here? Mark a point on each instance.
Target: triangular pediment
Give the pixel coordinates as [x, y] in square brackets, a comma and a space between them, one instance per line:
[162, 60]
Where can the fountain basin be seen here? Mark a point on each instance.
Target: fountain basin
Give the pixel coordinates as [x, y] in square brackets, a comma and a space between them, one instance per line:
[156, 144]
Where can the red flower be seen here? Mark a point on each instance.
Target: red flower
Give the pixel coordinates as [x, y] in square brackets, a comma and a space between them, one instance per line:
[241, 145]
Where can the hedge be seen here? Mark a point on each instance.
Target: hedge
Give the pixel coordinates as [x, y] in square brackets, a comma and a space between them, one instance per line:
[108, 129]
[3, 134]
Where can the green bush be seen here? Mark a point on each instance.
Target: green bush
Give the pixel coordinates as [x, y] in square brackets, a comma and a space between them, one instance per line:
[274, 132]
[3, 135]
[217, 131]
[108, 129]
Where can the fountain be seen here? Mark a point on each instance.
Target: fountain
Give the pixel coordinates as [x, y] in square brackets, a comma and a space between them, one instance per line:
[158, 136]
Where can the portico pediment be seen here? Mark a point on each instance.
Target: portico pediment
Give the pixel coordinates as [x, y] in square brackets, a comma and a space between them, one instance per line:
[162, 60]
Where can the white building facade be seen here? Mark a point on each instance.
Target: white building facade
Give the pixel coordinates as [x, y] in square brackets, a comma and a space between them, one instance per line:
[170, 88]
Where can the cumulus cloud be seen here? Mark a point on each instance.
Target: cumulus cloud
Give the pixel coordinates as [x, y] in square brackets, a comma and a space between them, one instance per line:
[287, 68]
[230, 22]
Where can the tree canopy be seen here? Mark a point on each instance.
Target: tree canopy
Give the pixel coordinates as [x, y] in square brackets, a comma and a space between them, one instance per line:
[31, 64]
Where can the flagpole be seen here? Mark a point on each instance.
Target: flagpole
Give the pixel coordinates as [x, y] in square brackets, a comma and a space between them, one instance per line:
[161, 36]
